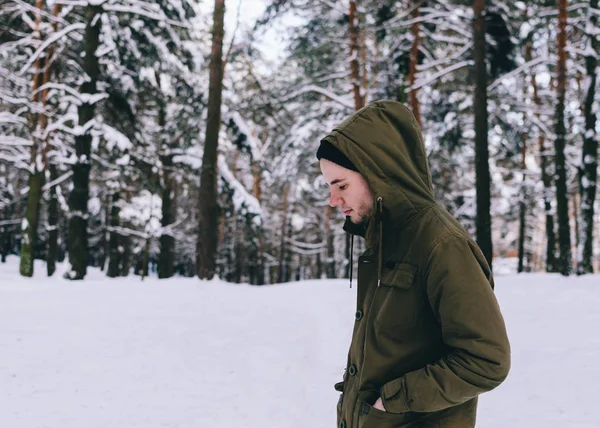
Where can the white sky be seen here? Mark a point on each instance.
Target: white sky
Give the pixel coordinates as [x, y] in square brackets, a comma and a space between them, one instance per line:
[271, 43]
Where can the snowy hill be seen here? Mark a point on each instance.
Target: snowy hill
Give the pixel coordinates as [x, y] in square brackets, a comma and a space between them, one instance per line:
[185, 353]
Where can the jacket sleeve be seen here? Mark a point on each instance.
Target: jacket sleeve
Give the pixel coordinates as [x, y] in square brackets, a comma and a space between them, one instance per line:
[478, 357]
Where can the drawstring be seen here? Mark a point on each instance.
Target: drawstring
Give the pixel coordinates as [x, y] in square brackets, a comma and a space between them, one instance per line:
[351, 257]
[379, 220]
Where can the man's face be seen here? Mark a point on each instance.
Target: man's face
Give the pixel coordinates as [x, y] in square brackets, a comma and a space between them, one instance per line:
[349, 191]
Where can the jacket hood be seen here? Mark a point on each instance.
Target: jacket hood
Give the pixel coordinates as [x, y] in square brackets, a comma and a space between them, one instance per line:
[384, 142]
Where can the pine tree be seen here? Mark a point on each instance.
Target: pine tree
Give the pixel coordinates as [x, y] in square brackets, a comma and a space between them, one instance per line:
[207, 239]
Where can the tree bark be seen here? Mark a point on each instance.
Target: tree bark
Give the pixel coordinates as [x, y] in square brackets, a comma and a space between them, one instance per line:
[482, 169]
[52, 247]
[330, 259]
[523, 205]
[359, 99]
[282, 271]
[562, 197]
[545, 166]
[260, 262]
[6, 230]
[412, 74]
[36, 174]
[589, 154]
[354, 48]
[166, 258]
[207, 240]
[29, 238]
[52, 251]
[78, 199]
[114, 254]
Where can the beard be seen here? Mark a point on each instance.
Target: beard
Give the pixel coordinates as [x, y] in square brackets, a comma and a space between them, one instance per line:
[361, 214]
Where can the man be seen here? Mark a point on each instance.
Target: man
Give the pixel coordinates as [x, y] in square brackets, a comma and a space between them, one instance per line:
[428, 335]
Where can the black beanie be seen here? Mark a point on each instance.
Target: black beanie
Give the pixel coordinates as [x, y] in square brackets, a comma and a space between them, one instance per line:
[331, 153]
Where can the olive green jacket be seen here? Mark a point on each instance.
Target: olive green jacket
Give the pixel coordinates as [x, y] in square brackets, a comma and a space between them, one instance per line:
[428, 335]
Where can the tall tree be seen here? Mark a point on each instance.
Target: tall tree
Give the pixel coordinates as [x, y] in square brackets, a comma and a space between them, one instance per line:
[414, 60]
[166, 260]
[208, 215]
[78, 199]
[562, 197]
[589, 154]
[482, 167]
[36, 168]
[354, 31]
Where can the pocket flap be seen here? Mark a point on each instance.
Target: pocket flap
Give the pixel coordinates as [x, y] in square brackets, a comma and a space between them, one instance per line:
[401, 275]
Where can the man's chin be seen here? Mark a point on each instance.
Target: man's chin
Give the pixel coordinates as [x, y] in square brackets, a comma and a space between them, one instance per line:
[355, 219]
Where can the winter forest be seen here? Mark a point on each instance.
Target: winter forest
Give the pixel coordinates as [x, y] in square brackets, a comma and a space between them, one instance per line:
[149, 138]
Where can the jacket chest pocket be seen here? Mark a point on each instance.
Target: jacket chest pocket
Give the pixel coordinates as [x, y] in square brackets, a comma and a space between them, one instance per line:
[398, 299]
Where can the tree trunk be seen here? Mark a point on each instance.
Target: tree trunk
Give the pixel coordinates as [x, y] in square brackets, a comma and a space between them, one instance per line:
[523, 205]
[288, 254]
[359, 99]
[166, 258]
[330, 259]
[145, 258]
[282, 245]
[482, 168]
[126, 255]
[36, 175]
[207, 240]
[354, 48]
[52, 247]
[412, 74]
[562, 197]
[364, 72]
[589, 155]
[551, 262]
[114, 255]
[260, 262]
[78, 199]
[6, 229]
[29, 238]
[52, 251]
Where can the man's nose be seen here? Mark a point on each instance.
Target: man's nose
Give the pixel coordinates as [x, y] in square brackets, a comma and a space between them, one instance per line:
[334, 200]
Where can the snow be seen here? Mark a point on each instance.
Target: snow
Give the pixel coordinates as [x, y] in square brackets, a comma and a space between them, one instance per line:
[188, 353]
[242, 200]
[114, 138]
[144, 210]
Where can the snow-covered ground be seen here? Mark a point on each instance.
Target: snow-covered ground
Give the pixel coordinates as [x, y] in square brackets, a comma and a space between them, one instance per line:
[191, 354]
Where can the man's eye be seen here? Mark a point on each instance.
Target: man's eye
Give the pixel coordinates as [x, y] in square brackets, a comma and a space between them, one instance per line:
[343, 186]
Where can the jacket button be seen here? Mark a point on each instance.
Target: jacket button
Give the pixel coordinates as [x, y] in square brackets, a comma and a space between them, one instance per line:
[352, 370]
[358, 315]
[343, 424]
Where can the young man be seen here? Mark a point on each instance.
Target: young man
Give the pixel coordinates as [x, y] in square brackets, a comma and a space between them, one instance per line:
[428, 334]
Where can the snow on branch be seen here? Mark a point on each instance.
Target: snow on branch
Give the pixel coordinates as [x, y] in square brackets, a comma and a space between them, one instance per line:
[10, 222]
[554, 10]
[50, 17]
[518, 70]
[135, 10]
[423, 82]
[59, 86]
[114, 138]
[7, 118]
[253, 143]
[313, 88]
[11, 140]
[446, 60]
[49, 41]
[242, 200]
[307, 245]
[58, 180]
